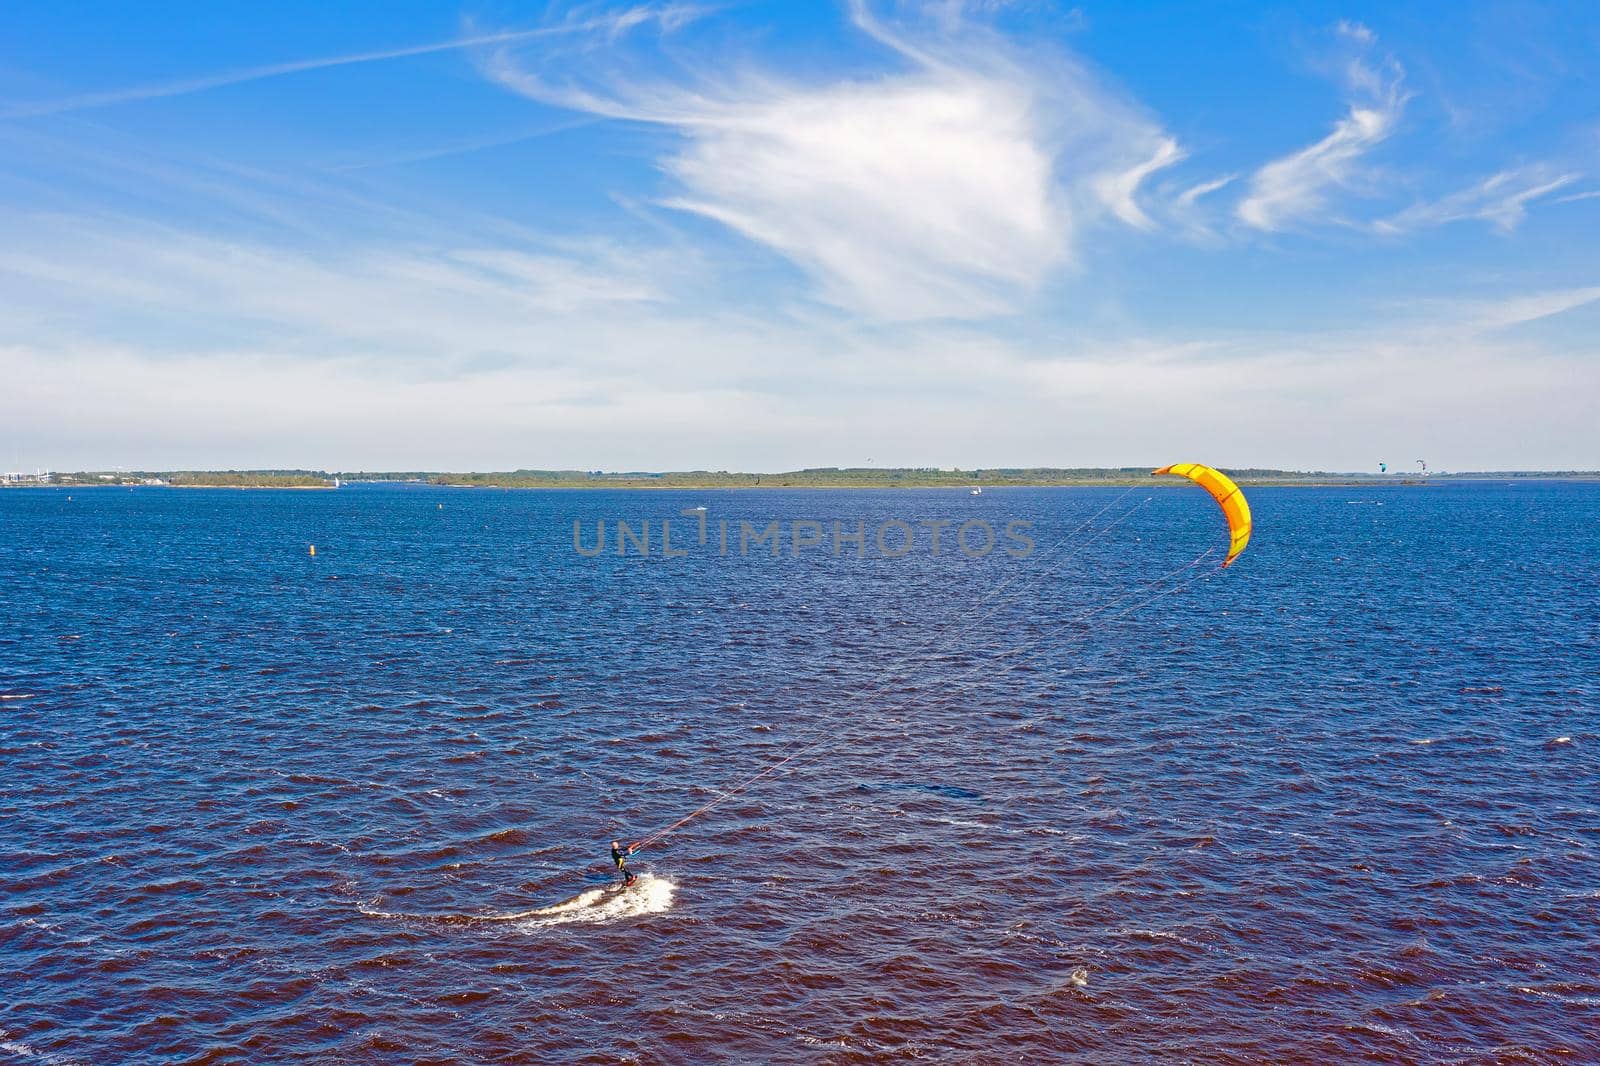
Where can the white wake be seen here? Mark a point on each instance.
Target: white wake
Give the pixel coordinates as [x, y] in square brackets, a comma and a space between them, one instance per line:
[648, 894]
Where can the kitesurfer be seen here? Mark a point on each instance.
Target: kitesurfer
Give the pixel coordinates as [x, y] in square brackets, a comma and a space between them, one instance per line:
[619, 855]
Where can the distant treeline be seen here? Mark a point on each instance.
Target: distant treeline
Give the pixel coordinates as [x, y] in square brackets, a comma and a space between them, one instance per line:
[230, 479]
[813, 477]
[872, 477]
[252, 479]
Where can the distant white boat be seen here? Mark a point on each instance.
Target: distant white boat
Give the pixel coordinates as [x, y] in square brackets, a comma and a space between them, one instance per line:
[976, 492]
[697, 508]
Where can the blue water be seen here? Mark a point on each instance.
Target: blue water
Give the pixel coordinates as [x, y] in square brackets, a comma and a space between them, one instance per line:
[1338, 801]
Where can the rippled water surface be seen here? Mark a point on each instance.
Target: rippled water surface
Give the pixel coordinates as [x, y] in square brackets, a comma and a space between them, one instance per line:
[1339, 801]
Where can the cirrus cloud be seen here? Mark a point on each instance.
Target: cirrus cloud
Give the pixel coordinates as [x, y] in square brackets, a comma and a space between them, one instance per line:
[1296, 187]
[1500, 200]
[950, 187]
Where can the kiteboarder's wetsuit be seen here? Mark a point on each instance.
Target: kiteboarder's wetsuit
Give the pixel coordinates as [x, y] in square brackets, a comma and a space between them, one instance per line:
[619, 855]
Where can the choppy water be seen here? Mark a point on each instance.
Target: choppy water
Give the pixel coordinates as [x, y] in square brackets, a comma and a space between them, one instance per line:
[1339, 801]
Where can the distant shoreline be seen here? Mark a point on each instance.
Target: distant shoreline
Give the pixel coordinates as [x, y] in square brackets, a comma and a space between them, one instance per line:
[75, 485]
[817, 478]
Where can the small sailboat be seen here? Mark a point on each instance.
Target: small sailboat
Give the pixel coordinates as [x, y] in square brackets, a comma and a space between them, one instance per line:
[976, 492]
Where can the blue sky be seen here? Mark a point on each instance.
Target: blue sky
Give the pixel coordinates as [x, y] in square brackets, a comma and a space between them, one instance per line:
[768, 235]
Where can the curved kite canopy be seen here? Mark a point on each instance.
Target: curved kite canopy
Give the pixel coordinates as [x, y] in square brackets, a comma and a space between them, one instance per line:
[1228, 497]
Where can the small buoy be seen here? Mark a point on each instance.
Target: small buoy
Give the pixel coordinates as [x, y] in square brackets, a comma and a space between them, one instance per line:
[313, 549]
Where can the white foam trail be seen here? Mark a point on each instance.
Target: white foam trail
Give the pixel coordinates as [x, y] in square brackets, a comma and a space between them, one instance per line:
[647, 895]
[23, 1051]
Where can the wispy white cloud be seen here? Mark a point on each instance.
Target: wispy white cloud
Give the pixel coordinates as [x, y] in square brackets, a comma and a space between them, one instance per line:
[1501, 200]
[1190, 196]
[415, 304]
[948, 187]
[467, 147]
[1176, 206]
[611, 24]
[1532, 307]
[1119, 190]
[1356, 32]
[1296, 188]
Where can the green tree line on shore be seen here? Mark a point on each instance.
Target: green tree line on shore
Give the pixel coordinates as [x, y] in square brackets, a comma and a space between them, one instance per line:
[811, 477]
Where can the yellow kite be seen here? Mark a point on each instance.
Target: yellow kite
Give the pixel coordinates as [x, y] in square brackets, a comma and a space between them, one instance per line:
[1234, 507]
